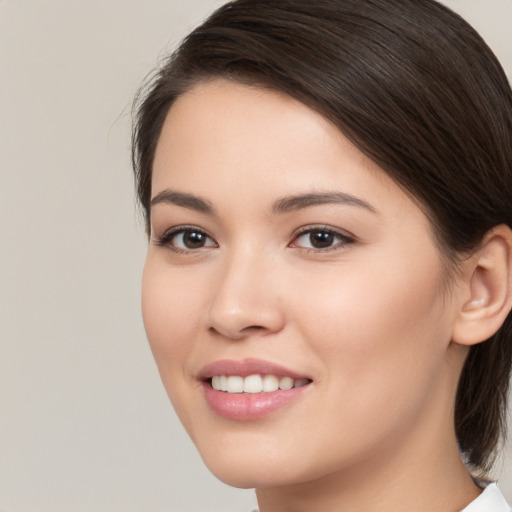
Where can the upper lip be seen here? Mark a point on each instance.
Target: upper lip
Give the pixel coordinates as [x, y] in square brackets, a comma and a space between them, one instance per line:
[246, 367]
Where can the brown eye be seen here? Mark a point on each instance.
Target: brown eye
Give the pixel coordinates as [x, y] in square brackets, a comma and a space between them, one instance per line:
[321, 239]
[186, 239]
[194, 239]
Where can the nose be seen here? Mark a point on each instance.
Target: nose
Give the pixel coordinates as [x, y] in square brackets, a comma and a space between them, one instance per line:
[246, 300]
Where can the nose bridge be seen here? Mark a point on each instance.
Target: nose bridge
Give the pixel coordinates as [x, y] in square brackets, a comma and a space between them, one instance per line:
[245, 299]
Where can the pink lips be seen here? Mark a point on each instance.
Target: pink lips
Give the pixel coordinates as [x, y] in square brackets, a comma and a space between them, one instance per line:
[247, 406]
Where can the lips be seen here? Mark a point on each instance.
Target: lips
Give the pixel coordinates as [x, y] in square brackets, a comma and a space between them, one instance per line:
[250, 389]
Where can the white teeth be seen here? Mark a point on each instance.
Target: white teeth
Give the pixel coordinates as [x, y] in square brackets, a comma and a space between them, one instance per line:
[285, 383]
[255, 383]
[235, 384]
[270, 383]
[216, 382]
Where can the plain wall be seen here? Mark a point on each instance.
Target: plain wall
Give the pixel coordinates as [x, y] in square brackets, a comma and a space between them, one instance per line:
[84, 421]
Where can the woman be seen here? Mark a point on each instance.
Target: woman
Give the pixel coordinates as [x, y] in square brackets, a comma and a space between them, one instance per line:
[328, 285]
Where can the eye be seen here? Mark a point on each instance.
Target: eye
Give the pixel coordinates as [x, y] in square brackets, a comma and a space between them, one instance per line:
[321, 239]
[184, 239]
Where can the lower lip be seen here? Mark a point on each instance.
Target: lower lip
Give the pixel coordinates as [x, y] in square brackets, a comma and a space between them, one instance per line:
[249, 406]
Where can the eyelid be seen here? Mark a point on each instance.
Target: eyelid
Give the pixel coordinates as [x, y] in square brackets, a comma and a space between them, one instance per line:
[165, 239]
[347, 238]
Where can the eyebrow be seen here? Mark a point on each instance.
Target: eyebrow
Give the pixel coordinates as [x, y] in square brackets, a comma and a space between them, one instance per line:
[281, 206]
[184, 200]
[298, 202]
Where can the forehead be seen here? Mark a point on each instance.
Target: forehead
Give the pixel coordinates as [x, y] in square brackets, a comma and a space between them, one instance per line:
[240, 118]
[228, 123]
[232, 143]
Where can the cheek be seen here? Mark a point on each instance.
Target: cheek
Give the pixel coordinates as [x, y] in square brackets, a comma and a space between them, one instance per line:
[376, 321]
[170, 312]
[379, 337]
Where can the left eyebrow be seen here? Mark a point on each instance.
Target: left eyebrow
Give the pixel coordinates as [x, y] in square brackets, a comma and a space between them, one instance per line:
[184, 200]
[300, 201]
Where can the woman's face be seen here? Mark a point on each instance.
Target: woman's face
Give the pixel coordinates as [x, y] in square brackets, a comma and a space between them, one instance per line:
[281, 256]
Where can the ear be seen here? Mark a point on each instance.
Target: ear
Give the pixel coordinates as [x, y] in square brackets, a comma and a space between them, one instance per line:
[487, 289]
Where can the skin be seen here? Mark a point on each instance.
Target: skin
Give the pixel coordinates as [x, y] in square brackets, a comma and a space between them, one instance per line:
[368, 319]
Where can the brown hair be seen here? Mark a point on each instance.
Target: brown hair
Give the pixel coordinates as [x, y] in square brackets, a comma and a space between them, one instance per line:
[416, 89]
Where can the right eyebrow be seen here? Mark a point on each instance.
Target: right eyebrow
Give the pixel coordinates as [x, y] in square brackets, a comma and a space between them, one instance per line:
[184, 200]
[300, 201]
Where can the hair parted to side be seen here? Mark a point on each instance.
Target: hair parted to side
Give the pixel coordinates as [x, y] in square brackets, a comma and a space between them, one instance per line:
[416, 89]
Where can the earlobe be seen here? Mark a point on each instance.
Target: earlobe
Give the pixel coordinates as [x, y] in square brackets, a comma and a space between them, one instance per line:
[489, 289]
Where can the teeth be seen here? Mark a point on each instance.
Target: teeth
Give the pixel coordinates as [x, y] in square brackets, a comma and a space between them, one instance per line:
[270, 383]
[255, 383]
[300, 382]
[235, 384]
[286, 383]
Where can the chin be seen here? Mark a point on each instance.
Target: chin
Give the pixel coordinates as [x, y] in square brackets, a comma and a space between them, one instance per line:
[239, 479]
[242, 468]
[248, 476]
[262, 465]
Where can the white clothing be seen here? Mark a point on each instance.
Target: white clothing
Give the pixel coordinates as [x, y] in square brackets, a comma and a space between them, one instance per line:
[491, 500]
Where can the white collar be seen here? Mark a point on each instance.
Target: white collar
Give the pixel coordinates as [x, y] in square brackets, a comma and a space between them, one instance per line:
[491, 500]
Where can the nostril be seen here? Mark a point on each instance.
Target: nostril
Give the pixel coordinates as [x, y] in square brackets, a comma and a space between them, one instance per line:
[253, 328]
[242, 333]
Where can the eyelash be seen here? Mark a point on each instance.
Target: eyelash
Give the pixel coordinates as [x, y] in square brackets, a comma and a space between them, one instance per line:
[167, 238]
[344, 239]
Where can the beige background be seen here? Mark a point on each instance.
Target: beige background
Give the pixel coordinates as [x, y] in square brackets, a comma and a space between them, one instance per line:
[84, 422]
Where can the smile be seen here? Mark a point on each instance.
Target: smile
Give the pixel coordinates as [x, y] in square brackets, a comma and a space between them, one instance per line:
[255, 383]
[250, 389]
